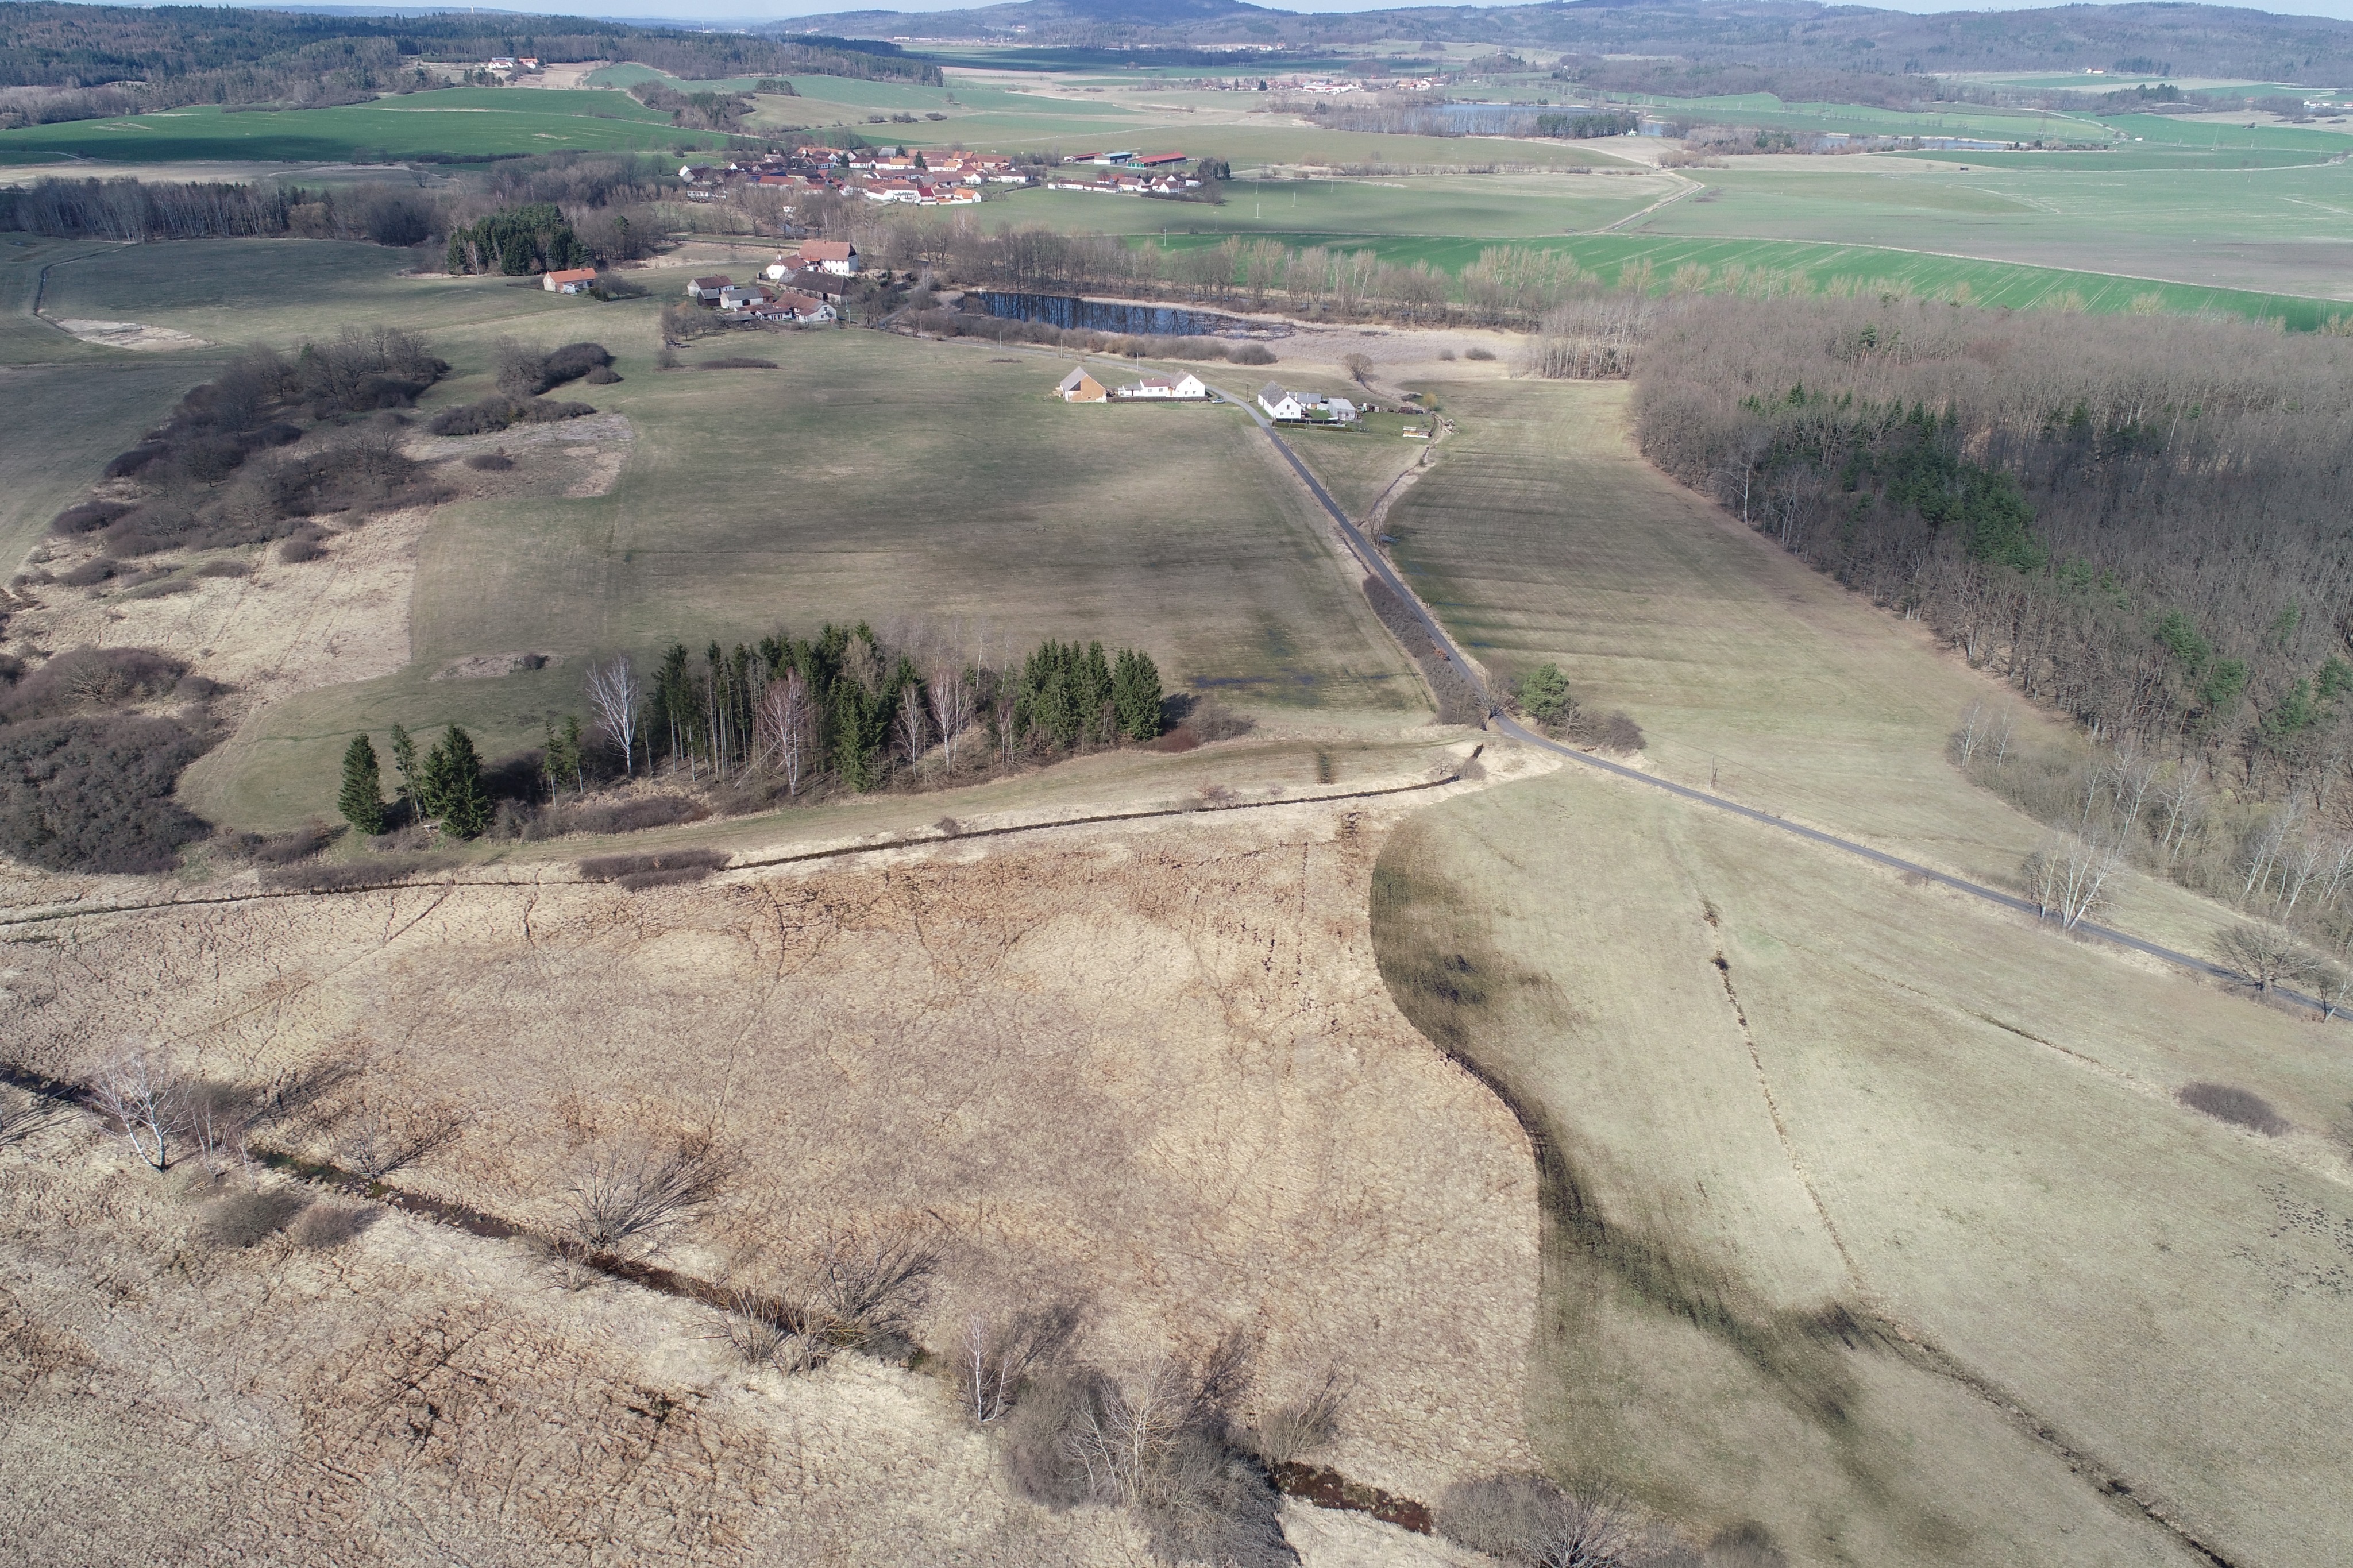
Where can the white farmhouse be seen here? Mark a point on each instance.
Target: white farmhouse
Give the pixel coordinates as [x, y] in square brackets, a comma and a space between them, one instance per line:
[1279, 404]
[837, 257]
[1186, 387]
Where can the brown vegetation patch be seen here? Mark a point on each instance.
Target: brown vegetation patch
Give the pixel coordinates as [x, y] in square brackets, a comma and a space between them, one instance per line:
[656, 869]
[2239, 1107]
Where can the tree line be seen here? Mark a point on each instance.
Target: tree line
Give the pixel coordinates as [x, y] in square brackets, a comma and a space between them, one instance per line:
[109, 59]
[846, 703]
[782, 717]
[2135, 519]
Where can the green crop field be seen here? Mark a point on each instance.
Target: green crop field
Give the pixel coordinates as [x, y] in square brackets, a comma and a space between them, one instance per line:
[452, 122]
[2174, 131]
[1766, 111]
[1723, 263]
[1476, 207]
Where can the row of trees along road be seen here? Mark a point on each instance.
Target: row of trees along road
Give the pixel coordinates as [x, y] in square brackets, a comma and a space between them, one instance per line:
[2138, 519]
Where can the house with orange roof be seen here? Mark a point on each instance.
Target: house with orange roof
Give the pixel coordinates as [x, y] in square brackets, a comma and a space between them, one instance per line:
[570, 281]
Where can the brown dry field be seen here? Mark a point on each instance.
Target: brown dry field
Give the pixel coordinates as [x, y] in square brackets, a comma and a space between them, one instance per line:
[1149, 1070]
[1852, 1170]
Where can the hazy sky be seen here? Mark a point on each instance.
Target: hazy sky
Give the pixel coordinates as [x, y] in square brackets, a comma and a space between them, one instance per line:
[771, 10]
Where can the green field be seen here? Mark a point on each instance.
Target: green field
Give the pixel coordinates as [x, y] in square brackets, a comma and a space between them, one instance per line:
[459, 122]
[1475, 207]
[2280, 230]
[1764, 111]
[1818, 268]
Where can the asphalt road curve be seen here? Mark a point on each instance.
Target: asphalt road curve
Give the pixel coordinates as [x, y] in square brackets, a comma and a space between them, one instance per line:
[1504, 724]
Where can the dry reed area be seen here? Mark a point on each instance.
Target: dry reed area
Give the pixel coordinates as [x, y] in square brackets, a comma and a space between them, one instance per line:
[1149, 1076]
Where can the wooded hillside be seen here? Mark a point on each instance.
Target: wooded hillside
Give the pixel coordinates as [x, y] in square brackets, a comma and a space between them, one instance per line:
[2140, 520]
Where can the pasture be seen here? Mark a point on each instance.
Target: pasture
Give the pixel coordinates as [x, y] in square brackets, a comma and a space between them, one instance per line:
[1877, 1221]
[1540, 534]
[2280, 229]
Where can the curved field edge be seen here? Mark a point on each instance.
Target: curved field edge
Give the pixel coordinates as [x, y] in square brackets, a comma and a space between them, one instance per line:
[1868, 1217]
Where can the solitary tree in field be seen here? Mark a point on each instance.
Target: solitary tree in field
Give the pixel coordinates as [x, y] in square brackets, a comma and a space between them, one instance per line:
[362, 801]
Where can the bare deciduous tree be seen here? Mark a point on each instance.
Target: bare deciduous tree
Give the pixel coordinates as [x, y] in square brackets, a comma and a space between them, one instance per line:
[952, 710]
[869, 1287]
[913, 724]
[147, 1101]
[1000, 1352]
[616, 692]
[2262, 955]
[632, 1196]
[374, 1137]
[2069, 878]
[1527, 1519]
[784, 727]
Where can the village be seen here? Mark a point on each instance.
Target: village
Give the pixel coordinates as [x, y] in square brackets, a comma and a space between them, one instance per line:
[942, 177]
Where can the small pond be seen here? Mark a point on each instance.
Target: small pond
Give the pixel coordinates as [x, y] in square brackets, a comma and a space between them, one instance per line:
[1109, 316]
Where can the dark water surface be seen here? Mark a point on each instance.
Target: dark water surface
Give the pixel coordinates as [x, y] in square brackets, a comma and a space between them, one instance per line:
[1108, 316]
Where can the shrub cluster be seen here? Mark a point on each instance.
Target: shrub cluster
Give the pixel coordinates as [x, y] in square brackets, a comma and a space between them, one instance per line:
[200, 486]
[499, 412]
[526, 373]
[95, 793]
[1543, 695]
[1460, 700]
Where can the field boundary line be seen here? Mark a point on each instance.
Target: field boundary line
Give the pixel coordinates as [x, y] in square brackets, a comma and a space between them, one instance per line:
[836, 852]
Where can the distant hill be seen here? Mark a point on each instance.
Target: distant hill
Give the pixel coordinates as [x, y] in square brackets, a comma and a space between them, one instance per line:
[2142, 38]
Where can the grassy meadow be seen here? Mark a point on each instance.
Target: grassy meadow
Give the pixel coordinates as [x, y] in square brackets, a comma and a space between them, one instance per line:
[870, 477]
[67, 406]
[1539, 534]
[1848, 1169]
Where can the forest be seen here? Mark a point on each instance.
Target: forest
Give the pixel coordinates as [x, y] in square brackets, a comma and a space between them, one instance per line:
[117, 60]
[2136, 520]
[604, 204]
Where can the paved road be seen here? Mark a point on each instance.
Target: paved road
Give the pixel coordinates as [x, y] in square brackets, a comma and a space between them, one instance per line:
[1504, 724]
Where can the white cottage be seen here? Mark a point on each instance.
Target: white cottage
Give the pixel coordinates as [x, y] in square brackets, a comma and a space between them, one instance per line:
[1280, 404]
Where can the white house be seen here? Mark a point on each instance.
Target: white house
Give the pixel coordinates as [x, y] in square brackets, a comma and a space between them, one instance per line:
[837, 257]
[569, 280]
[1279, 404]
[1187, 387]
[782, 268]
